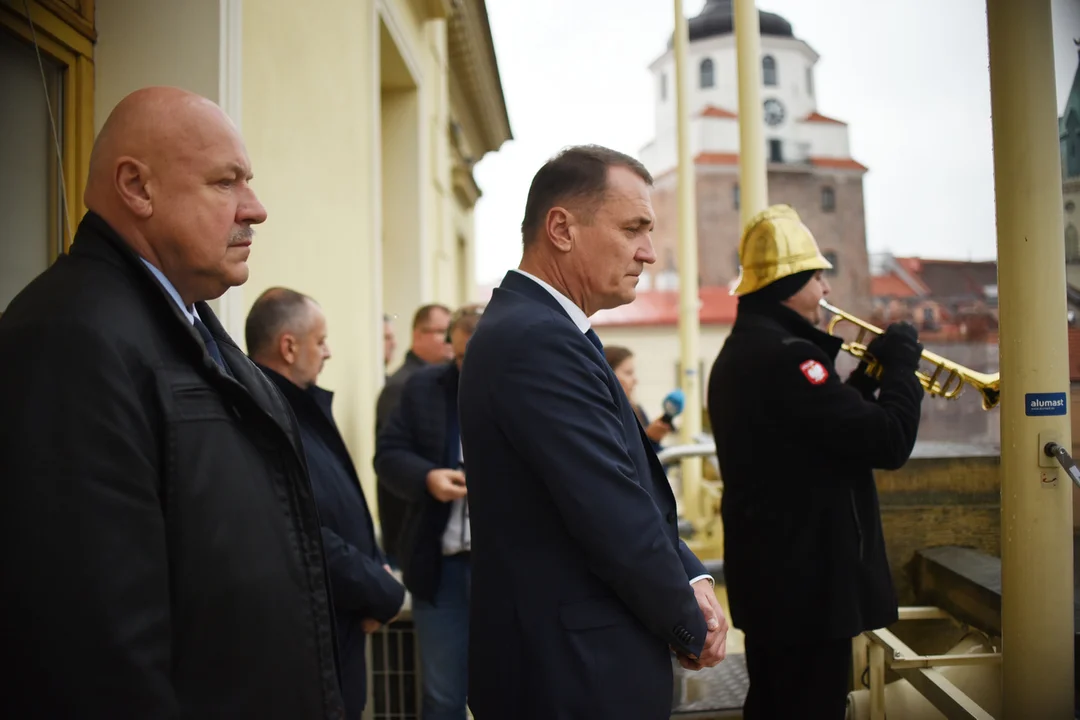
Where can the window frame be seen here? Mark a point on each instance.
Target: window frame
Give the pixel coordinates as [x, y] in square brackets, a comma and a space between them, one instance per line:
[706, 63]
[768, 65]
[776, 151]
[1072, 244]
[834, 259]
[66, 36]
[828, 199]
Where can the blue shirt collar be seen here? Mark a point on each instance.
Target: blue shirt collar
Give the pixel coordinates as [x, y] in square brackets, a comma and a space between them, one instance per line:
[190, 313]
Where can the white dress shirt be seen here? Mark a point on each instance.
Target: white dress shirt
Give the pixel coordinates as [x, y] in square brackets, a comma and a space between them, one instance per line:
[189, 312]
[582, 321]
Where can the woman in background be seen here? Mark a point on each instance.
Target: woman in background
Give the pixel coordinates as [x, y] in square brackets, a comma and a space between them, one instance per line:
[621, 361]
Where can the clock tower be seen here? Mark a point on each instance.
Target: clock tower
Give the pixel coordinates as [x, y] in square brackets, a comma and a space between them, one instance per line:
[809, 162]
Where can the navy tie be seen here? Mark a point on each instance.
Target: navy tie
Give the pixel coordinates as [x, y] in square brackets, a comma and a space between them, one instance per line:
[211, 344]
[595, 340]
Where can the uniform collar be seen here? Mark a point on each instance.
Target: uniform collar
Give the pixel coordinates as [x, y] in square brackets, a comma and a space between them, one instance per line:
[784, 319]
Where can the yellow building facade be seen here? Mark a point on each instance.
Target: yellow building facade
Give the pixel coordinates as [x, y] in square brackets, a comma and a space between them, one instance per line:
[363, 119]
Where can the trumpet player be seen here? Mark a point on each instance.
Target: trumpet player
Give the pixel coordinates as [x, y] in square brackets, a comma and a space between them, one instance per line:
[805, 560]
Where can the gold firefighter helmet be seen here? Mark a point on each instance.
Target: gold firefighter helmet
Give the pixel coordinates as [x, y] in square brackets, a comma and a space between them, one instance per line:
[774, 245]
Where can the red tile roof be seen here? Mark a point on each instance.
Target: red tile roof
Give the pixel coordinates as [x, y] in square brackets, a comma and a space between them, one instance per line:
[717, 112]
[817, 117]
[714, 158]
[889, 286]
[838, 163]
[957, 277]
[912, 264]
[719, 158]
[658, 307]
[661, 307]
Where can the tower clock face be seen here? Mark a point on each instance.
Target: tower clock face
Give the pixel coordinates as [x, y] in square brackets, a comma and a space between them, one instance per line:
[774, 111]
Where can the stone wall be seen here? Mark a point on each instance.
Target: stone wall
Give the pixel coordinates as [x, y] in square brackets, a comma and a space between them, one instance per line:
[939, 501]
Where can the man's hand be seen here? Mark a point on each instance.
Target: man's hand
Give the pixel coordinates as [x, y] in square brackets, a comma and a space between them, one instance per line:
[898, 348]
[446, 485]
[715, 648]
[390, 572]
[370, 625]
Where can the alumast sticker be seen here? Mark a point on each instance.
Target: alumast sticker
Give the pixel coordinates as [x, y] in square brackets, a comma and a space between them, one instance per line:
[1043, 404]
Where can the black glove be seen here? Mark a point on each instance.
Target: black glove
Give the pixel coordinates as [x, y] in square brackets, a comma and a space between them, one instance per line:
[898, 348]
[861, 381]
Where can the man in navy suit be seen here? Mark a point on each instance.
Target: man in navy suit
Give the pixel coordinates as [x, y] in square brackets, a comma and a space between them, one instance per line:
[286, 337]
[581, 587]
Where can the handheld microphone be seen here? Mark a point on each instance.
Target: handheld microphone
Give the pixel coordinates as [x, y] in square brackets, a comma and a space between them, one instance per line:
[673, 405]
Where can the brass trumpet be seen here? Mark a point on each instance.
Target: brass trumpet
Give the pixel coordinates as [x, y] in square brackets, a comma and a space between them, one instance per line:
[949, 387]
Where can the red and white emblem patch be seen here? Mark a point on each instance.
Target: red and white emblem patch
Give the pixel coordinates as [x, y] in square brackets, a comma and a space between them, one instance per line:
[814, 371]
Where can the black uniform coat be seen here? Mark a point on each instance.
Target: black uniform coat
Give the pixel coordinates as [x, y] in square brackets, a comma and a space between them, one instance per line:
[159, 543]
[580, 582]
[804, 556]
[359, 584]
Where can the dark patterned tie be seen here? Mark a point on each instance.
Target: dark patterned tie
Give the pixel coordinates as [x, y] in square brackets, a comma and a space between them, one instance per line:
[595, 340]
[211, 345]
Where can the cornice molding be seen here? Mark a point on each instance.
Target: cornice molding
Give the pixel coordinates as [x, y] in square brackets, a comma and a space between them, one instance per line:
[473, 63]
[465, 188]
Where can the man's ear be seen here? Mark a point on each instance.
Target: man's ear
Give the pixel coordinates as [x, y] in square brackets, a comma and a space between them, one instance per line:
[559, 227]
[133, 186]
[287, 347]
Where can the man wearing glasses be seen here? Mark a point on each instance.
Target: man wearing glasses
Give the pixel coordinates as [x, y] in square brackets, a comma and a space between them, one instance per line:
[429, 346]
[418, 458]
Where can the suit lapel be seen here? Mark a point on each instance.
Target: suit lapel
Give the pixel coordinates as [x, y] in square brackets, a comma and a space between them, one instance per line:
[518, 284]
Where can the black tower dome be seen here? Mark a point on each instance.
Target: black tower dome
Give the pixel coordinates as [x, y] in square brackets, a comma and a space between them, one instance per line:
[718, 18]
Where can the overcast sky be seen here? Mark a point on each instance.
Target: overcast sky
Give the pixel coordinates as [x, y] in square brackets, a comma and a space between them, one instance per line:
[910, 78]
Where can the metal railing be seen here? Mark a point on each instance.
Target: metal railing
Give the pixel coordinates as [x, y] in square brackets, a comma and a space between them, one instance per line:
[706, 533]
[884, 649]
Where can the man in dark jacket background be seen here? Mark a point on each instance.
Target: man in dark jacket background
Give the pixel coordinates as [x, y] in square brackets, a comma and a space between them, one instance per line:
[286, 336]
[429, 346]
[804, 558]
[159, 542]
[418, 458]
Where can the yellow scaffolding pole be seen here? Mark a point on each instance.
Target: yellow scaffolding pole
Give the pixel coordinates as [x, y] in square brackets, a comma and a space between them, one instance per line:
[753, 178]
[1036, 495]
[689, 330]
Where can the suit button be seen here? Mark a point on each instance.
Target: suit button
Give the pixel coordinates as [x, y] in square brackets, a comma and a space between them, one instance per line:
[672, 517]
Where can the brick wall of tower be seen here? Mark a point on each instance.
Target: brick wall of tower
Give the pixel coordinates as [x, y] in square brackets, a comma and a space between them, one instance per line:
[841, 231]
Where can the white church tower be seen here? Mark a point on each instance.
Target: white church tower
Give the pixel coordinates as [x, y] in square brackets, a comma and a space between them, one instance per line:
[810, 164]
